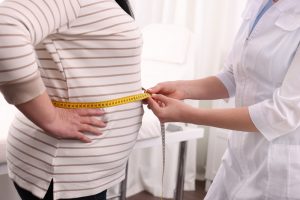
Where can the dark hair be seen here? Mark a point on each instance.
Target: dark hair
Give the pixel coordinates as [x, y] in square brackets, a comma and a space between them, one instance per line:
[125, 5]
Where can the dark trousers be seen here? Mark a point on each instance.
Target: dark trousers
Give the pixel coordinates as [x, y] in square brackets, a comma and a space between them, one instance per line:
[26, 195]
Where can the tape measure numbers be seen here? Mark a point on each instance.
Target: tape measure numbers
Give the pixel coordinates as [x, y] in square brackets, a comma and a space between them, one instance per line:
[101, 104]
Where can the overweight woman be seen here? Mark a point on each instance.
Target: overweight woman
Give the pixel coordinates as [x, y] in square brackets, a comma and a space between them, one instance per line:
[70, 51]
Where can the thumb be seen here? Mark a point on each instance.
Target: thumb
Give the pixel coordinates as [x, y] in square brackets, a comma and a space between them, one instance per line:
[153, 105]
[161, 98]
[154, 90]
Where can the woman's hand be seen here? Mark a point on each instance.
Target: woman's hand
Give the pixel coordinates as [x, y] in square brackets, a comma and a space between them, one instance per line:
[167, 109]
[172, 89]
[73, 123]
[62, 123]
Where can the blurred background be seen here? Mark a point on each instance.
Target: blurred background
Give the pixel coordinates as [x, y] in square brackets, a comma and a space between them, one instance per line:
[183, 39]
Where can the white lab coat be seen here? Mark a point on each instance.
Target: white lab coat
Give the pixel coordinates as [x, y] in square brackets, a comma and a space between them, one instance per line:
[263, 73]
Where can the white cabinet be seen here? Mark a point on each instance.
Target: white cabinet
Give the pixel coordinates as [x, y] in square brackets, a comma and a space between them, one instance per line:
[217, 144]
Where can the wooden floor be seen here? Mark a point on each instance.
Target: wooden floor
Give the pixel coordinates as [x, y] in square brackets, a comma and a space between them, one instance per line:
[196, 195]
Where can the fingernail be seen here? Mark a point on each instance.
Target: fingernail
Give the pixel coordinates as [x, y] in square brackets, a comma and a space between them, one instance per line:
[88, 140]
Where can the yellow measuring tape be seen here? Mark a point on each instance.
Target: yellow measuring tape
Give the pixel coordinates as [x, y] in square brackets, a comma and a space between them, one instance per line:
[111, 103]
[101, 104]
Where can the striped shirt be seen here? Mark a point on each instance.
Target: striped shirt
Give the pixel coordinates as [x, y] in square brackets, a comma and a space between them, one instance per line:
[77, 50]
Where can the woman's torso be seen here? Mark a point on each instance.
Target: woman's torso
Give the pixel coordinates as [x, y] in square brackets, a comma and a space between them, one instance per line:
[96, 58]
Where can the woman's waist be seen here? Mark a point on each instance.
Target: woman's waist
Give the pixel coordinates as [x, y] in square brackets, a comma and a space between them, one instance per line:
[119, 119]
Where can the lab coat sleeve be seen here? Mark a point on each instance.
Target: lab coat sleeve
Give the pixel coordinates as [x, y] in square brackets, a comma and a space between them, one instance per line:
[280, 115]
[226, 76]
[24, 24]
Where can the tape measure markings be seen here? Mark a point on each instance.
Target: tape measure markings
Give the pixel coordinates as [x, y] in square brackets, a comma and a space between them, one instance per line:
[101, 104]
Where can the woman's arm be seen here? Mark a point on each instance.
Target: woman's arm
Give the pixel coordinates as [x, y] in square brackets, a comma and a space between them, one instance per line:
[24, 24]
[231, 118]
[202, 89]
[209, 88]
[172, 110]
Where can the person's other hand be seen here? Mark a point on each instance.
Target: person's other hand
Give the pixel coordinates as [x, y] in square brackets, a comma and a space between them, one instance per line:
[166, 109]
[172, 89]
[74, 123]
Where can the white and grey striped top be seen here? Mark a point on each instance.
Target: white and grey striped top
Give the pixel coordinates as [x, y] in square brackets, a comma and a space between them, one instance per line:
[78, 50]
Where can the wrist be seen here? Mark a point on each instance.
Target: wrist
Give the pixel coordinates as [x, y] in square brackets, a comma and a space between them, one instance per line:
[48, 123]
[40, 111]
[183, 86]
[186, 113]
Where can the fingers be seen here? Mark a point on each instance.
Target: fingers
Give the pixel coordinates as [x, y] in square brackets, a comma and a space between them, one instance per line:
[154, 89]
[157, 101]
[89, 112]
[160, 98]
[88, 123]
[93, 121]
[153, 105]
[73, 124]
[78, 133]
[80, 136]
[89, 129]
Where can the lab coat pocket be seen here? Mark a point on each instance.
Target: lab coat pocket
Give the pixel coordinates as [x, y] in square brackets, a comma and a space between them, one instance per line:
[288, 21]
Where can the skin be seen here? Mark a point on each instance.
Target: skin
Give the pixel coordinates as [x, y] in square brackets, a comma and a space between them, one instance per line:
[62, 123]
[166, 104]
